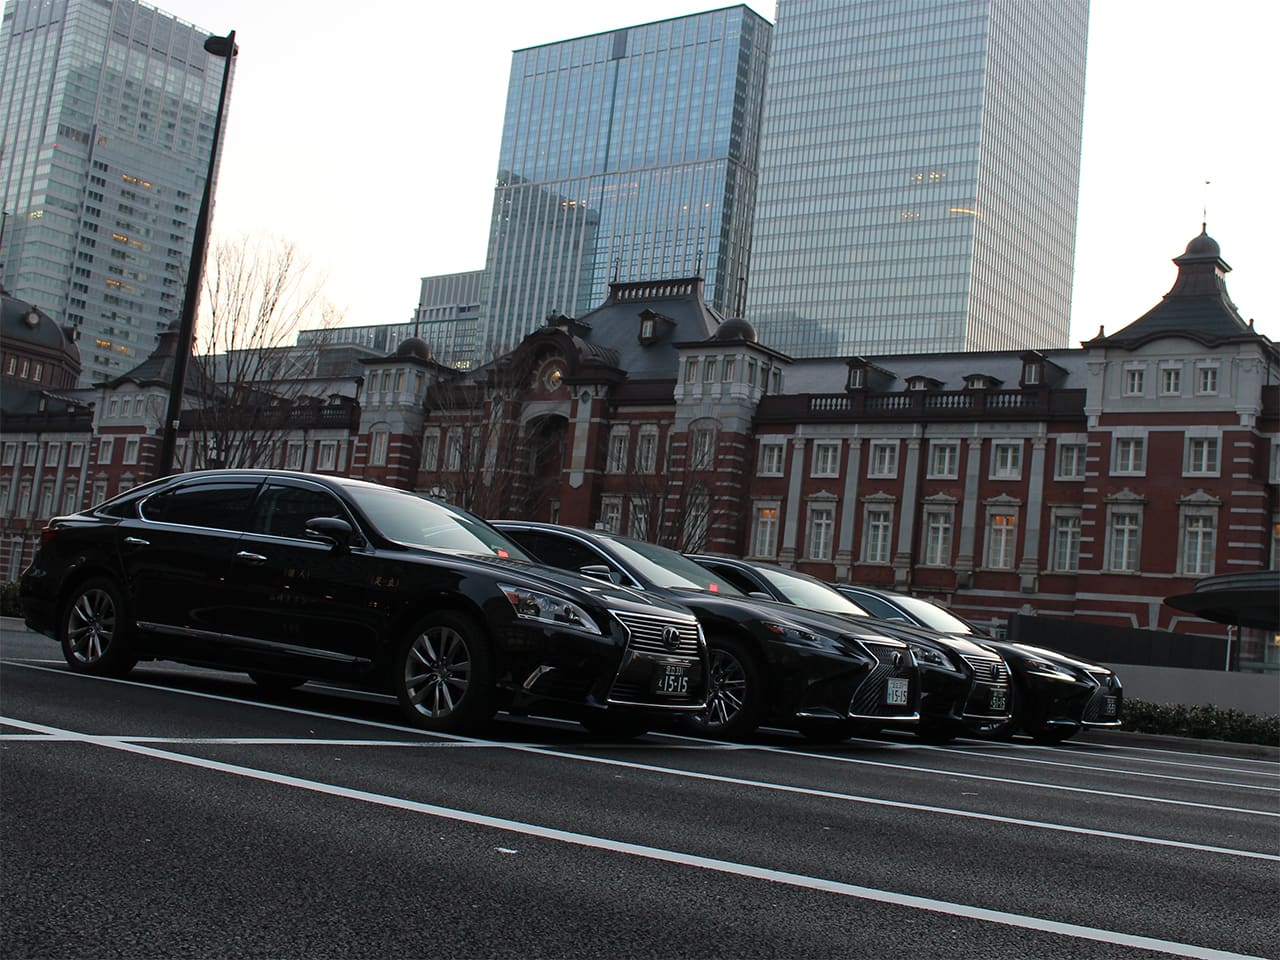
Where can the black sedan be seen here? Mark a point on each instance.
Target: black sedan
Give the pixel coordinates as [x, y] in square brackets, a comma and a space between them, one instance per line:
[1054, 696]
[815, 673]
[964, 686]
[291, 577]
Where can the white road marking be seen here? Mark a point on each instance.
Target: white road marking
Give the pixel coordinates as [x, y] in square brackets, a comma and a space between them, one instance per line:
[679, 858]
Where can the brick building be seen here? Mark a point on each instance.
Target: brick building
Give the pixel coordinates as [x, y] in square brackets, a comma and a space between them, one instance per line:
[1088, 483]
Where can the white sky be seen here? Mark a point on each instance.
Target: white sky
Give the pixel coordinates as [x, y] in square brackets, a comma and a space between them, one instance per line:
[369, 137]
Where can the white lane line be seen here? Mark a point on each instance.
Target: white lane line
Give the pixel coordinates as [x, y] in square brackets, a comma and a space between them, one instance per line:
[1127, 773]
[812, 792]
[671, 771]
[260, 741]
[948, 908]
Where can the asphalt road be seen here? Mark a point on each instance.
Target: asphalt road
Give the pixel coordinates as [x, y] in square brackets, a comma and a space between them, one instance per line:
[185, 813]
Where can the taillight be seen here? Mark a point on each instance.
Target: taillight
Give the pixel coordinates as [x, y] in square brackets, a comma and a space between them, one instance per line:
[46, 534]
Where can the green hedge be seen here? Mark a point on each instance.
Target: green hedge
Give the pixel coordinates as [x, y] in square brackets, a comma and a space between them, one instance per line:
[1202, 722]
[9, 599]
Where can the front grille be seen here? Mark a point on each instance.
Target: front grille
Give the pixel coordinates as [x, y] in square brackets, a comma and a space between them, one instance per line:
[1104, 706]
[868, 699]
[986, 669]
[645, 634]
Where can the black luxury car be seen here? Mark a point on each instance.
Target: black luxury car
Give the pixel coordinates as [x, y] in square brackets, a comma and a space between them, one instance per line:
[964, 686]
[1055, 696]
[815, 673]
[291, 577]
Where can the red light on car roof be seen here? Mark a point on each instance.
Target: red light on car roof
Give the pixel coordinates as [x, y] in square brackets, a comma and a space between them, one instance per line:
[503, 553]
[714, 587]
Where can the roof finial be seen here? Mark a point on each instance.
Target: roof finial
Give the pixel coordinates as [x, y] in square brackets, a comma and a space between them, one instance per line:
[1204, 210]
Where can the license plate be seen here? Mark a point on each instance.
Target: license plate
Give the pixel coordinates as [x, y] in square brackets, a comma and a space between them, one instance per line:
[1110, 706]
[998, 698]
[896, 693]
[671, 680]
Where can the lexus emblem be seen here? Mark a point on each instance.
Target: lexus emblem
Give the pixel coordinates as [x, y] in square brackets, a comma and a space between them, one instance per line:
[670, 637]
[897, 659]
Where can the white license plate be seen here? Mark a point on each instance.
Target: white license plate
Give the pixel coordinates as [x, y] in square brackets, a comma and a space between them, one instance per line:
[998, 698]
[1110, 706]
[895, 693]
[671, 680]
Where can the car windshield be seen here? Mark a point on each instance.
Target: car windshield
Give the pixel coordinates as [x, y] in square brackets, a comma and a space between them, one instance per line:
[933, 616]
[418, 522]
[807, 592]
[667, 568]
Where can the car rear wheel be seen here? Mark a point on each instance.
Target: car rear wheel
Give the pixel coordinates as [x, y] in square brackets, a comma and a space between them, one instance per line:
[443, 674]
[735, 695]
[94, 630]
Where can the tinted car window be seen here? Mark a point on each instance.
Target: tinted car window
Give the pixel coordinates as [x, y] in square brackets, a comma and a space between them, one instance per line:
[425, 523]
[879, 608]
[806, 592]
[283, 511]
[735, 577]
[218, 505]
[559, 551]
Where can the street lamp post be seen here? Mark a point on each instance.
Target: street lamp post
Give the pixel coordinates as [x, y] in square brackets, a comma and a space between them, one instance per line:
[224, 47]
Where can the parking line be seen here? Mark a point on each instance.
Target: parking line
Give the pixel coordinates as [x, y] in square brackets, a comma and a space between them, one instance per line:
[854, 891]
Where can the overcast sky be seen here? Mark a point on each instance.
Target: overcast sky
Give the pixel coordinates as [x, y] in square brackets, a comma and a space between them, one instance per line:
[368, 135]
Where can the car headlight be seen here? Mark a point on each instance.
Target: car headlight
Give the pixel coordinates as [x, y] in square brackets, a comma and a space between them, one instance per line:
[548, 608]
[1044, 668]
[803, 638]
[928, 656]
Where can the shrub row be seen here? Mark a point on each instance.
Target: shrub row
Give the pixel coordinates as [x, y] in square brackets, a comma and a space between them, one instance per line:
[1204, 722]
[9, 599]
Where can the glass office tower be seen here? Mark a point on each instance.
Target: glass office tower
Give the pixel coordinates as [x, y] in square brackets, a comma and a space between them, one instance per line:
[628, 155]
[919, 174]
[107, 110]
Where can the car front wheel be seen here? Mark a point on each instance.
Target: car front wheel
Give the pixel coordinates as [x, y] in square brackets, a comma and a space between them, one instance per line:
[94, 631]
[735, 695]
[443, 674]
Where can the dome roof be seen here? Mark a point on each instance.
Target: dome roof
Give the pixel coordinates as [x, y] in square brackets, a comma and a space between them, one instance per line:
[414, 347]
[25, 323]
[735, 329]
[1203, 246]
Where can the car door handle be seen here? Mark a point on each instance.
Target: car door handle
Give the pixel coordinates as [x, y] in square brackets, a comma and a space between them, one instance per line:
[248, 557]
[136, 542]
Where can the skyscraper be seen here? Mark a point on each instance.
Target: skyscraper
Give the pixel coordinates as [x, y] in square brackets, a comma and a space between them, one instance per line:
[628, 155]
[107, 110]
[919, 174]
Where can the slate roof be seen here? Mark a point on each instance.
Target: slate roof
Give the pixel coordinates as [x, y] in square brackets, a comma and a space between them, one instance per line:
[1197, 306]
[17, 326]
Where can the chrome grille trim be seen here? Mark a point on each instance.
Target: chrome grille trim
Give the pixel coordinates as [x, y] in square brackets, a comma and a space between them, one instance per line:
[644, 634]
[987, 669]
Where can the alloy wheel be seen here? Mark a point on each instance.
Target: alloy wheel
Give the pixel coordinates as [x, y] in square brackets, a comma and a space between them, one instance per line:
[437, 671]
[727, 689]
[91, 625]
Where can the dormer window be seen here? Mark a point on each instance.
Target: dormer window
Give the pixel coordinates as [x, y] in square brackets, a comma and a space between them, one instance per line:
[1031, 374]
[922, 383]
[977, 381]
[857, 378]
[646, 331]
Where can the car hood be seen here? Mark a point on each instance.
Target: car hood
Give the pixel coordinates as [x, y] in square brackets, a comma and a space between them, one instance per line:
[574, 586]
[1043, 653]
[814, 621]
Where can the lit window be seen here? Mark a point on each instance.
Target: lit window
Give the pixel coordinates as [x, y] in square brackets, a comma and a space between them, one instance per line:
[764, 534]
[1002, 531]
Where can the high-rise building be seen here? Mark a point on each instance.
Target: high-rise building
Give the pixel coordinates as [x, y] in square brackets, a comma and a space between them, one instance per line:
[628, 155]
[107, 113]
[919, 174]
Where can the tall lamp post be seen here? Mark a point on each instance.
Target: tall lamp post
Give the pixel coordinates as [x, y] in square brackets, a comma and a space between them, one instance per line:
[224, 47]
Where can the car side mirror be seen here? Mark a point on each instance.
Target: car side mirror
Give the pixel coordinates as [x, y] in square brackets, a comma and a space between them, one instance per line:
[598, 571]
[330, 530]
